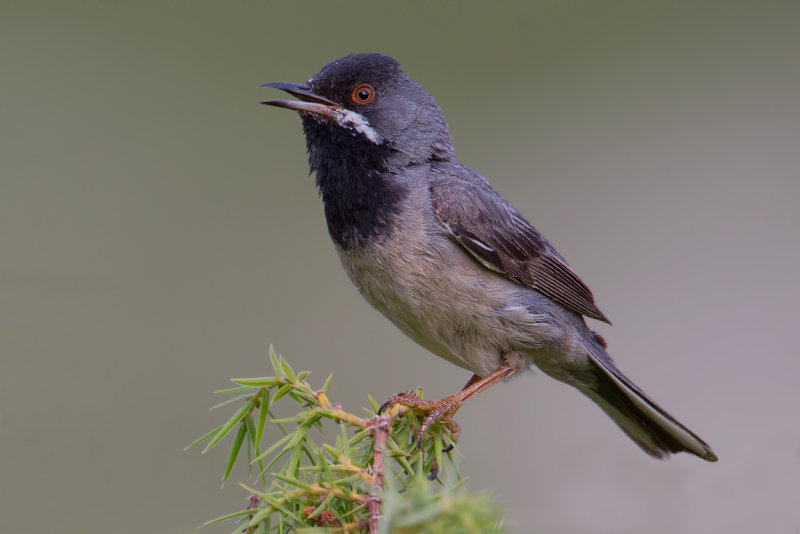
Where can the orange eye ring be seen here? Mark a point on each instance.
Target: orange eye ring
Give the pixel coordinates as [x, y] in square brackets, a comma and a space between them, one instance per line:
[363, 94]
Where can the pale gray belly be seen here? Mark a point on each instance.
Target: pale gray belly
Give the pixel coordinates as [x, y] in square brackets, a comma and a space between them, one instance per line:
[449, 304]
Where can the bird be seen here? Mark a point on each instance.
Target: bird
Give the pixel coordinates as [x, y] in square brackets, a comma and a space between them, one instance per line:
[436, 249]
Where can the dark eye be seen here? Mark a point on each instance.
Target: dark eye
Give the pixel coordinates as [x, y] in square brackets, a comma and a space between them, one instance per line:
[363, 94]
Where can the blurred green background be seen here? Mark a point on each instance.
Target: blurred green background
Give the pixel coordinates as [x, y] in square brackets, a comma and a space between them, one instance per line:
[158, 230]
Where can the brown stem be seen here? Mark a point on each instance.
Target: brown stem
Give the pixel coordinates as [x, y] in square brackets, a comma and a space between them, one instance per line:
[380, 428]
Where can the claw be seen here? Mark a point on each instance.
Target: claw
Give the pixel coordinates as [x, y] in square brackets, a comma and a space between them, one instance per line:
[434, 472]
[397, 398]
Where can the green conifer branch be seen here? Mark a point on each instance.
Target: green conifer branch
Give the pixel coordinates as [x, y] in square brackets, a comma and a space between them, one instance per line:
[373, 478]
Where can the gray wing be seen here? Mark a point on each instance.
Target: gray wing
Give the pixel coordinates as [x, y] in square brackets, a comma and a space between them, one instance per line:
[500, 238]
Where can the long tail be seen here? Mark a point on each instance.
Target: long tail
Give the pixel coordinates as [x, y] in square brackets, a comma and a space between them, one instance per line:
[645, 422]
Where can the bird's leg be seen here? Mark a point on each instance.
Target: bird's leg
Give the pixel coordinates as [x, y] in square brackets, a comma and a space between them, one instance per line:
[474, 378]
[444, 409]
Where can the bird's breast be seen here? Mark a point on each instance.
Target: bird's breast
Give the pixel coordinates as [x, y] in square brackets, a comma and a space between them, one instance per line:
[439, 296]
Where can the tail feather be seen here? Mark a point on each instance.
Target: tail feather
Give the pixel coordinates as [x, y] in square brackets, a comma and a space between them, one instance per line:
[645, 422]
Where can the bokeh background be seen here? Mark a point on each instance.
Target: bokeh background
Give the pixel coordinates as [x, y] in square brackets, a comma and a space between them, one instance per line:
[158, 230]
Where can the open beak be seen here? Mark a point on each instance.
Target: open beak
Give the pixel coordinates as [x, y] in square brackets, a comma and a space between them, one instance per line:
[308, 103]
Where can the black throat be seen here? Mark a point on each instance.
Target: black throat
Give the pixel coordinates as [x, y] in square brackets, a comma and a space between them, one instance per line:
[359, 196]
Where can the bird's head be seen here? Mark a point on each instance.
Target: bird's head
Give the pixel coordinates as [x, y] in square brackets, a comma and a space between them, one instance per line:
[362, 110]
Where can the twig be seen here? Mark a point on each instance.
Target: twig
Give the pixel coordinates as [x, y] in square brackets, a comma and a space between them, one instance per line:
[252, 503]
[379, 429]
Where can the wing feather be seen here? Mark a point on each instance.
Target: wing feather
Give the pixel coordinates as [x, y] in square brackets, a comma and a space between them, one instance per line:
[501, 239]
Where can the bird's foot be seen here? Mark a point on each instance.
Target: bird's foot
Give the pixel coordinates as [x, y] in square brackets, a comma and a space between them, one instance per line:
[441, 411]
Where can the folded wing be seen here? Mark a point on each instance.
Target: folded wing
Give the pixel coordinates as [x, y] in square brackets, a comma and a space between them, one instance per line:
[500, 238]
